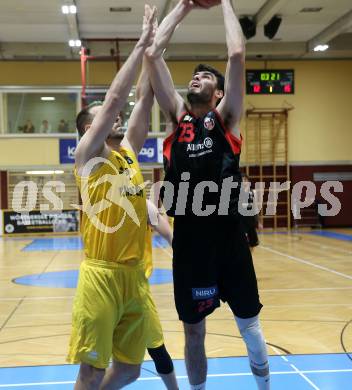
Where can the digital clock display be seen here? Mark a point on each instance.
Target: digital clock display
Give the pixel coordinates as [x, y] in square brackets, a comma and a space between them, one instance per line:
[270, 82]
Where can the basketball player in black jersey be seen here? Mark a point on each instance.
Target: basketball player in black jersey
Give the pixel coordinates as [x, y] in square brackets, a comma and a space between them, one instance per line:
[211, 257]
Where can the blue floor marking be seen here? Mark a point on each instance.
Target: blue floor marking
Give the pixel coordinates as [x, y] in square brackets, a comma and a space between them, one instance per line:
[161, 276]
[328, 381]
[320, 361]
[68, 279]
[159, 242]
[327, 234]
[321, 233]
[54, 244]
[223, 373]
[60, 279]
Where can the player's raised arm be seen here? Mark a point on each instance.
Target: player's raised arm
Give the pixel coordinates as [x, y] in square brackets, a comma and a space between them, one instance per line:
[93, 141]
[169, 100]
[139, 122]
[231, 106]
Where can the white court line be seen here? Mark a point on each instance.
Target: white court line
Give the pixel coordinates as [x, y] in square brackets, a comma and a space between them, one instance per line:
[306, 289]
[300, 373]
[306, 262]
[325, 246]
[156, 378]
[312, 304]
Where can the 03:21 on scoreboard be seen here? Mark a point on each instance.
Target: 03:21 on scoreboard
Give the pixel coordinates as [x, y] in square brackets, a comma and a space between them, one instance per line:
[270, 82]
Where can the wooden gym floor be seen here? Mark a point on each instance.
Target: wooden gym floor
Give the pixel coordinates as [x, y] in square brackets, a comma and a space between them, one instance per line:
[305, 281]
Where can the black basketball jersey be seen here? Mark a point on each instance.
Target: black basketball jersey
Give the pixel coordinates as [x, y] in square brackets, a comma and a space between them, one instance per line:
[210, 153]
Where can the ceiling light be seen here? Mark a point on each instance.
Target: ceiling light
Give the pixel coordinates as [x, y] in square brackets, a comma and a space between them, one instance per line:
[321, 47]
[47, 98]
[74, 43]
[69, 9]
[131, 94]
[132, 103]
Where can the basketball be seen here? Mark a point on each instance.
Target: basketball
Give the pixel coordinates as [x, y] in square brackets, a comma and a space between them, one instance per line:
[207, 3]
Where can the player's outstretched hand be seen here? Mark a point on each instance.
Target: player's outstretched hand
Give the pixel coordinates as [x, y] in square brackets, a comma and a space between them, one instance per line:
[149, 25]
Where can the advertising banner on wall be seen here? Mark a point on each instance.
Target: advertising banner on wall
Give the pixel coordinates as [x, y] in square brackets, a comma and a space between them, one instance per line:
[63, 221]
[67, 150]
[152, 151]
[149, 152]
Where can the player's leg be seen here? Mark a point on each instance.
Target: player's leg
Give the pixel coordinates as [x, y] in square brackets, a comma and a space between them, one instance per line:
[239, 288]
[195, 357]
[89, 377]
[195, 290]
[93, 323]
[164, 366]
[119, 375]
[252, 335]
[156, 348]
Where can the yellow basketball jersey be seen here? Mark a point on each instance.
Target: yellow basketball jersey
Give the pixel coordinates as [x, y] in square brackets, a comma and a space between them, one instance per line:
[148, 252]
[114, 219]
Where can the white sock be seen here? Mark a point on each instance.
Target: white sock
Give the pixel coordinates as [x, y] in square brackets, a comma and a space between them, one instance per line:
[258, 357]
[201, 386]
[263, 382]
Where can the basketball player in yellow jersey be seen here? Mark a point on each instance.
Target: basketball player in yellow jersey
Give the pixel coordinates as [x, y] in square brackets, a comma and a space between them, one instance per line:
[110, 313]
[155, 342]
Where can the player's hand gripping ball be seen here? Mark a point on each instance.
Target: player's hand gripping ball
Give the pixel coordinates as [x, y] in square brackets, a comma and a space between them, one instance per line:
[207, 3]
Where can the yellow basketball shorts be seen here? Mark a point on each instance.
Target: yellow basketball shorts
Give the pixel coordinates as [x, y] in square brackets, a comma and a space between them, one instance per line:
[110, 314]
[155, 333]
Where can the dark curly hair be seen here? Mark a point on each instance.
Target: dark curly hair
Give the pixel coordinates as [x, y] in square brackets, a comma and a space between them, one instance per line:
[219, 76]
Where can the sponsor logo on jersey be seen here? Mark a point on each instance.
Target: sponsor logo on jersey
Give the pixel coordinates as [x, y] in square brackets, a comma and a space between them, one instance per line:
[204, 293]
[208, 143]
[209, 123]
[128, 159]
[93, 355]
[187, 118]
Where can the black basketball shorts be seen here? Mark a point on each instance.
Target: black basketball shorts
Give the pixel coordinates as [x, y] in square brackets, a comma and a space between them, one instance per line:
[212, 262]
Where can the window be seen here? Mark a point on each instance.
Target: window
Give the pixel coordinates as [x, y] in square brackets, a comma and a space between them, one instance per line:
[40, 112]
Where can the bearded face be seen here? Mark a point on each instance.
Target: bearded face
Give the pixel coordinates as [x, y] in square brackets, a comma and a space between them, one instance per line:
[117, 131]
[202, 88]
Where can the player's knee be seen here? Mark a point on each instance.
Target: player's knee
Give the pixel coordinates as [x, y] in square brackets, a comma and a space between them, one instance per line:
[252, 334]
[162, 360]
[194, 333]
[90, 376]
[132, 374]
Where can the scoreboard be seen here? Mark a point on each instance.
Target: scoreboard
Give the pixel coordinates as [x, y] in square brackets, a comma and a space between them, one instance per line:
[270, 82]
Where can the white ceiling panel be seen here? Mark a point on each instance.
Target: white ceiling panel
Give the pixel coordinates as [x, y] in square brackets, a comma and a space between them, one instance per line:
[41, 21]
